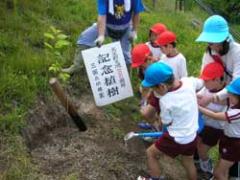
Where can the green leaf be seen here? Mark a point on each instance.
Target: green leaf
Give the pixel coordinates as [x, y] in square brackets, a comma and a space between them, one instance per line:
[55, 68]
[57, 53]
[48, 45]
[58, 31]
[61, 44]
[63, 76]
[53, 29]
[62, 36]
[49, 36]
[52, 69]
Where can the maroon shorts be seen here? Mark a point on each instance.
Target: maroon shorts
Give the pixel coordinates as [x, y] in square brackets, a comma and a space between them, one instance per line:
[229, 148]
[154, 101]
[168, 146]
[210, 136]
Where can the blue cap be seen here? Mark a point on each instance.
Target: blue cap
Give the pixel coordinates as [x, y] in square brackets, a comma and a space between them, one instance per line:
[234, 87]
[215, 30]
[156, 74]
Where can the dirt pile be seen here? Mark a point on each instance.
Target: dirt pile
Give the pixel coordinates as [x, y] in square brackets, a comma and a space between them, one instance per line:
[62, 152]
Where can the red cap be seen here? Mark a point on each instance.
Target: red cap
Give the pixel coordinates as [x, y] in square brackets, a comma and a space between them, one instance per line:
[212, 71]
[165, 38]
[158, 28]
[139, 54]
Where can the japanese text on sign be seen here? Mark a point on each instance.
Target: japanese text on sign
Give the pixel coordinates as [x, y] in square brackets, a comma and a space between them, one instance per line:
[107, 73]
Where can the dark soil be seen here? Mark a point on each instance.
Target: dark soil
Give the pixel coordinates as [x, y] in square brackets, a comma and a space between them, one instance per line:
[60, 151]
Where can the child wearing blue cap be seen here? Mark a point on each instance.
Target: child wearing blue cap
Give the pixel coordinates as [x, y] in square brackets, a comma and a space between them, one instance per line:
[221, 48]
[179, 111]
[230, 142]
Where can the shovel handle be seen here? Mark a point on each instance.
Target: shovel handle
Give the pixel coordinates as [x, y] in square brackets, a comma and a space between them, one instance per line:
[151, 134]
[70, 108]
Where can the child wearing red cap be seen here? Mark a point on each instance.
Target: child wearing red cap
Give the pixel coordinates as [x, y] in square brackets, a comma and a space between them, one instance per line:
[167, 43]
[141, 58]
[213, 76]
[175, 59]
[229, 144]
[154, 32]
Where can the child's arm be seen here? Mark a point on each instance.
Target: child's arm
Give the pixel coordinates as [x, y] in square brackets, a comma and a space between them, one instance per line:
[218, 98]
[221, 116]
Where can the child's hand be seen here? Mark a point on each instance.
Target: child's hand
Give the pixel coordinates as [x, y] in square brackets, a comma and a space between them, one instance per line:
[153, 59]
[204, 100]
[145, 92]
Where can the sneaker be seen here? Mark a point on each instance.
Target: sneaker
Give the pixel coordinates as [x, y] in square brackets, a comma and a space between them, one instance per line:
[142, 178]
[143, 102]
[197, 165]
[206, 166]
[150, 178]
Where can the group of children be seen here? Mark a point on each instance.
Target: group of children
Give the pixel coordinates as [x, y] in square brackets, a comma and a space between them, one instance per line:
[169, 93]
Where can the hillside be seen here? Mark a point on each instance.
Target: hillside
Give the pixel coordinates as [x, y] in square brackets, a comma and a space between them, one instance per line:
[38, 138]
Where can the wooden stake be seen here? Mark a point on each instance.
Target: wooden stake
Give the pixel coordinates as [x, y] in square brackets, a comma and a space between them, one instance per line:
[57, 89]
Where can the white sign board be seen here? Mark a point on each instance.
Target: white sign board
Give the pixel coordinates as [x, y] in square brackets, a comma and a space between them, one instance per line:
[107, 73]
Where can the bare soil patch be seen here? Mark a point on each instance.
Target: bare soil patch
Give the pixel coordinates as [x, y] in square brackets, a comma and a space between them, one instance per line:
[60, 151]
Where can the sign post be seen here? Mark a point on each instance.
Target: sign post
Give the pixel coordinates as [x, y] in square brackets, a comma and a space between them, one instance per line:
[107, 73]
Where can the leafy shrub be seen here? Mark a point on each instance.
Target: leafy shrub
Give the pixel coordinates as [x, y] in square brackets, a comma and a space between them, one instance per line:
[229, 9]
[55, 43]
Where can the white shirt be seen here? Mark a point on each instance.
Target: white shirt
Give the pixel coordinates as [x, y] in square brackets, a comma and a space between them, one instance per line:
[178, 64]
[156, 51]
[231, 60]
[232, 126]
[213, 107]
[179, 108]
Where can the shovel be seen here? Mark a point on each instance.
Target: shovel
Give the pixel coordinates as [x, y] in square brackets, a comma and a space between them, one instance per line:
[131, 135]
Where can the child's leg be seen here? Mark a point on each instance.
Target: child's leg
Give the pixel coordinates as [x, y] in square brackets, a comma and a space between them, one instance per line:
[152, 160]
[204, 161]
[188, 164]
[221, 170]
[203, 150]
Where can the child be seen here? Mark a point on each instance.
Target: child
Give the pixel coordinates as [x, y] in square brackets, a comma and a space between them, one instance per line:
[230, 142]
[212, 75]
[150, 107]
[141, 59]
[167, 43]
[154, 32]
[179, 111]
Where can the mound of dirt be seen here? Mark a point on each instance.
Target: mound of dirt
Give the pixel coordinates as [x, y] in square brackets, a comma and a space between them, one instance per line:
[61, 151]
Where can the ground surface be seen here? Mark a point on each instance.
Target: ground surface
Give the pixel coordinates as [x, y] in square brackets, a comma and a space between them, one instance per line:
[62, 152]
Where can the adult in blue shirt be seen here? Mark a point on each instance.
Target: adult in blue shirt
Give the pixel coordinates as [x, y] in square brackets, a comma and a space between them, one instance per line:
[117, 19]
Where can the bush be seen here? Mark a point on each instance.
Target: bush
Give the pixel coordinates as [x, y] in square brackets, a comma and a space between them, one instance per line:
[229, 9]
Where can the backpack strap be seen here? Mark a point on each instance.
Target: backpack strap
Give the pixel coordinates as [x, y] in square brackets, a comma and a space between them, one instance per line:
[218, 59]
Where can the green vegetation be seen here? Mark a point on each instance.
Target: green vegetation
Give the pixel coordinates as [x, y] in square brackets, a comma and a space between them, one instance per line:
[15, 158]
[55, 43]
[25, 61]
[229, 9]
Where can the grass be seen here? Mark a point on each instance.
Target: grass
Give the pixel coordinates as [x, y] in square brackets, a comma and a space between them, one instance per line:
[24, 62]
[15, 159]
[24, 68]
